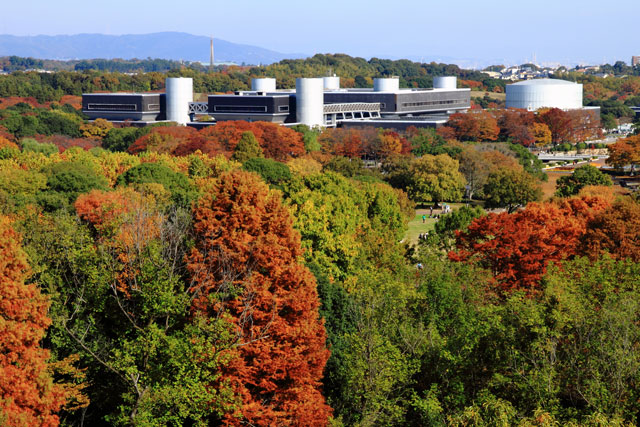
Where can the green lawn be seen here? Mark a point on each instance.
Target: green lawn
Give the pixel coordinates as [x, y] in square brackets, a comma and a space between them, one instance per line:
[416, 226]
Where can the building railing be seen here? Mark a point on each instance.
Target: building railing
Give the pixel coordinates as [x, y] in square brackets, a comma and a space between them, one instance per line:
[198, 108]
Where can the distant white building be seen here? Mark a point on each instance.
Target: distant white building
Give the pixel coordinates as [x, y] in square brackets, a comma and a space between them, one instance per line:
[493, 74]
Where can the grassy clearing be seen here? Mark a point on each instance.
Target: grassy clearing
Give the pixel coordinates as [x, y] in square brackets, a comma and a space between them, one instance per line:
[549, 187]
[416, 227]
[493, 95]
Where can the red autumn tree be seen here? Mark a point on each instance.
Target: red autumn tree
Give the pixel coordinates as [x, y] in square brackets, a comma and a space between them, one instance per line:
[342, 142]
[4, 133]
[471, 84]
[515, 123]
[64, 142]
[246, 264]
[585, 124]
[517, 247]
[350, 146]
[277, 142]
[391, 143]
[28, 395]
[559, 123]
[73, 100]
[615, 230]
[447, 132]
[476, 125]
[165, 139]
[10, 101]
[352, 143]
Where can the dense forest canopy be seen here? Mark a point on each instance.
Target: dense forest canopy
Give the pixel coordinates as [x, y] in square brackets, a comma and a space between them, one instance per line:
[249, 273]
[146, 75]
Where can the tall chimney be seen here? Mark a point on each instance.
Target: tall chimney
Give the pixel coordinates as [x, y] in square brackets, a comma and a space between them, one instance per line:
[211, 60]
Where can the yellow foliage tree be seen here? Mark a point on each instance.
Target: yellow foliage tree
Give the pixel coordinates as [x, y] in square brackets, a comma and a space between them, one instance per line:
[541, 134]
[97, 129]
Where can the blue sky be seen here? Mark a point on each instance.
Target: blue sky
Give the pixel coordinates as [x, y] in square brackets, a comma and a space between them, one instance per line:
[495, 31]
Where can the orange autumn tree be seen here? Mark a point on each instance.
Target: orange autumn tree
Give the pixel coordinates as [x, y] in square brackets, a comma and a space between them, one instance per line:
[5, 143]
[28, 395]
[165, 139]
[126, 222]
[514, 123]
[246, 266]
[277, 142]
[476, 125]
[616, 231]
[390, 143]
[105, 210]
[342, 142]
[518, 247]
[625, 152]
[166, 358]
[558, 122]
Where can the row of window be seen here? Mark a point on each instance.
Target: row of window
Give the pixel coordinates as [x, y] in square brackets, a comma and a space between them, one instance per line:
[426, 103]
[120, 107]
[247, 108]
[112, 107]
[240, 108]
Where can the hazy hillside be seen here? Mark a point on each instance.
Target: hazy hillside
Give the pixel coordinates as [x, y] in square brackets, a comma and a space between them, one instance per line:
[166, 45]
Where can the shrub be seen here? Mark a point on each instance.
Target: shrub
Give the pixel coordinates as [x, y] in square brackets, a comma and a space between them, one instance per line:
[273, 172]
[182, 192]
[66, 181]
[119, 139]
[31, 145]
[247, 148]
[581, 177]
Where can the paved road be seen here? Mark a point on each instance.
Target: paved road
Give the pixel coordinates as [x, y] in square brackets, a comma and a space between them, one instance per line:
[565, 157]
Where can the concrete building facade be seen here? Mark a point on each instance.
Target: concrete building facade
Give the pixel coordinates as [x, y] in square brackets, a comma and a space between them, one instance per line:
[314, 102]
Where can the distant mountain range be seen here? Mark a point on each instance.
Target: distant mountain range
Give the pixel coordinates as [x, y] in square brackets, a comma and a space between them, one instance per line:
[165, 45]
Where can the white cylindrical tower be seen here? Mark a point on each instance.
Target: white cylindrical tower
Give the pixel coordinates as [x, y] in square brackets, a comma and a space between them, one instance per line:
[179, 93]
[310, 102]
[445, 82]
[263, 84]
[544, 93]
[387, 84]
[331, 83]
